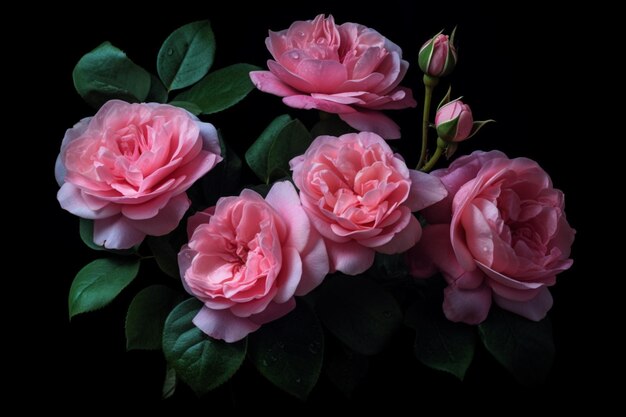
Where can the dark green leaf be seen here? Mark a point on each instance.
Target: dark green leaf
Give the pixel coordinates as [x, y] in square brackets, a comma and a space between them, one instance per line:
[439, 343]
[220, 89]
[331, 125]
[201, 362]
[98, 283]
[86, 234]
[164, 254]
[345, 368]
[169, 383]
[186, 55]
[389, 266]
[293, 140]
[106, 73]
[479, 124]
[446, 99]
[522, 346]
[146, 316]
[359, 312]
[157, 93]
[257, 154]
[187, 105]
[289, 351]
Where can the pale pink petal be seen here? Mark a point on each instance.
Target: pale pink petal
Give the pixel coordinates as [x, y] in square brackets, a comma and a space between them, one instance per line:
[274, 311]
[290, 78]
[325, 75]
[116, 232]
[269, 83]
[289, 276]
[398, 101]
[308, 102]
[166, 219]
[197, 219]
[315, 263]
[283, 197]
[403, 240]
[372, 121]
[466, 306]
[426, 190]
[350, 257]
[434, 251]
[71, 198]
[210, 139]
[341, 98]
[224, 325]
[534, 309]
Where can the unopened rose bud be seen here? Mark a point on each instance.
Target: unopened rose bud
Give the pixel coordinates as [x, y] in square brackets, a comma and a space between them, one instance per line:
[437, 57]
[454, 121]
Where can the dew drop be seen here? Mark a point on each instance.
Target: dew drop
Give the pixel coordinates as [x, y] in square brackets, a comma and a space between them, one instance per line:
[301, 34]
[170, 52]
[314, 347]
[321, 41]
[295, 55]
[298, 380]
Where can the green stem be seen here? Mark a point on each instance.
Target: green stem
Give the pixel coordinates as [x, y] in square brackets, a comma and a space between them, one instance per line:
[441, 147]
[429, 84]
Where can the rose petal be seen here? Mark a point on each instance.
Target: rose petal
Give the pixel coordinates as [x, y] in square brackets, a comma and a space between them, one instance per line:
[224, 325]
[269, 83]
[372, 121]
[116, 232]
[534, 309]
[350, 257]
[426, 190]
[466, 306]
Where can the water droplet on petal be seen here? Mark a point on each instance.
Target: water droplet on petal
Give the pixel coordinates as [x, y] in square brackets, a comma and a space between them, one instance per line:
[321, 41]
[301, 34]
[295, 55]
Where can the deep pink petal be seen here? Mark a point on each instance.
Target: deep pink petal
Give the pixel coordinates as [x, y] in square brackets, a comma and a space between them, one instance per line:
[372, 121]
[224, 325]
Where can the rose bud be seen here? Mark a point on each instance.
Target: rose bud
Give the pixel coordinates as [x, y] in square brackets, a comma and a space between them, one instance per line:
[454, 121]
[437, 57]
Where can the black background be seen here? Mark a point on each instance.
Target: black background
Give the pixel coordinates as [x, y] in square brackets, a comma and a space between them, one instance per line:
[518, 64]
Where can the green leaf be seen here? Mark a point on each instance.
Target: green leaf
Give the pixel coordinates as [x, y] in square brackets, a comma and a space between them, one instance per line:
[187, 105]
[107, 73]
[446, 99]
[358, 312]
[201, 362]
[157, 93]
[289, 351]
[98, 283]
[479, 124]
[439, 343]
[522, 346]
[146, 316]
[86, 234]
[293, 140]
[186, 55]
[169, 383]
[164, 254]
[256, 155]
[220, 89]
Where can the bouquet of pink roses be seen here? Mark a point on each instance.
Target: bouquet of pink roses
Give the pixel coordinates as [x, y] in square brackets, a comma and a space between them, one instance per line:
[339, 238]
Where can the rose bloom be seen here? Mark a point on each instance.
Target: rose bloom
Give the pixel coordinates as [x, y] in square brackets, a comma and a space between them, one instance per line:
[246, 259]
[347, 69]
[501, 235]
[128, 168]
[360, 196]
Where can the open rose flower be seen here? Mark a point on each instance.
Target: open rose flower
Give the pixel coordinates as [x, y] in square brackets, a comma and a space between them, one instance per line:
[501, 235]
[360, 196]
[246, 259]
[347, 69]
[128, 168]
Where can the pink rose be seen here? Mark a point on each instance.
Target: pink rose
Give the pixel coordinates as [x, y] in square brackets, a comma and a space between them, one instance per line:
[128, 168]
[348, 69]
[246, 259]
[360, 196]
[454, 121]
[500, 234]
